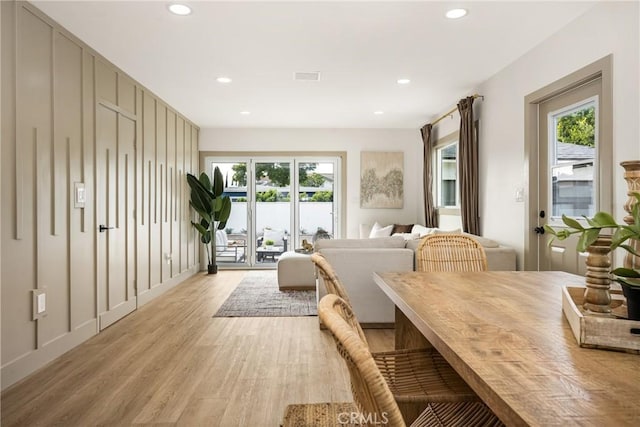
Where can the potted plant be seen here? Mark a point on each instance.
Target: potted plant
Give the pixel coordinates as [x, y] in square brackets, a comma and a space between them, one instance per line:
[622, 236]
[214, 210]
[269, 243]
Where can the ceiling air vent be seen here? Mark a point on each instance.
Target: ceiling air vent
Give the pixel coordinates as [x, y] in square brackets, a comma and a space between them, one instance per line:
[308, 76]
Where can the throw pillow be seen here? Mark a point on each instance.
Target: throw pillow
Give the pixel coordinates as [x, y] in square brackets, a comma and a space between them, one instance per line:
[380, 231]
[422, 230]
[398, 228]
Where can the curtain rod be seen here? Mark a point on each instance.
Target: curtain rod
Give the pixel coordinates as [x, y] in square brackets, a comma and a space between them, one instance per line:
[453, 110]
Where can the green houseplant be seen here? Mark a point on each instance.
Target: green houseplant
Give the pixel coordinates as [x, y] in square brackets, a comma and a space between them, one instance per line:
[623, 236]
[212, 207]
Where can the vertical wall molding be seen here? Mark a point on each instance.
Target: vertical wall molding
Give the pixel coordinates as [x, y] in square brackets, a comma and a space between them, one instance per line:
[52, 139]
[55, 84]
[69, 202]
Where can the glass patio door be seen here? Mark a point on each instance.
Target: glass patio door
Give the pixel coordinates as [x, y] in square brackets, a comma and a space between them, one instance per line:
[277, 202]
[272, 189]
[316, 212]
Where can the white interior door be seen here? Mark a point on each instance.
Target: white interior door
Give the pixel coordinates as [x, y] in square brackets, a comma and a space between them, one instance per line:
[115, 202]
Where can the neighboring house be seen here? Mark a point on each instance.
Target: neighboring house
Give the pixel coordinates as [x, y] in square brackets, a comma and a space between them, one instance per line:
[31, 260]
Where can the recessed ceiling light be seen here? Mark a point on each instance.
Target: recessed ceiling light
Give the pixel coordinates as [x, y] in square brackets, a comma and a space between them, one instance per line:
[245, 113]
[378, 113]
[404, 81]
[223, 80]
[180, 9]
[456, 13]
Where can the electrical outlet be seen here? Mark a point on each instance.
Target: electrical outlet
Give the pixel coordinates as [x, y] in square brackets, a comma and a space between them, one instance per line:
[168, 258]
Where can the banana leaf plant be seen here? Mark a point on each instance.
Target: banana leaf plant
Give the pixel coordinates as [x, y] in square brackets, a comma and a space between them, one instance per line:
[213, 208]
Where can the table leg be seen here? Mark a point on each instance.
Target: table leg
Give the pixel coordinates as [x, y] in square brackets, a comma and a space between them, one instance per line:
[407, 335]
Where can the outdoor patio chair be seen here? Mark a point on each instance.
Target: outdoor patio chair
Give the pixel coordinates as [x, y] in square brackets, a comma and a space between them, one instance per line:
[414, 376]
[372, 392]
[450, 252]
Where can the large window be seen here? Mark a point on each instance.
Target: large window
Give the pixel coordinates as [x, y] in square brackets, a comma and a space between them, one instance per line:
[446, 175]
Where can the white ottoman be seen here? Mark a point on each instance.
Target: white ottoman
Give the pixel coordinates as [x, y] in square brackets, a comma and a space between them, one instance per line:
[296, 271]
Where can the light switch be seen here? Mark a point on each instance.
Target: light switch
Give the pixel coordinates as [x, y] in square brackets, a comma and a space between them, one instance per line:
[42, 303]
[79, 195]
[39, 304]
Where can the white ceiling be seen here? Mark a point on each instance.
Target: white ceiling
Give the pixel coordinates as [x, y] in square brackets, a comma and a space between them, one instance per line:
[360, 49]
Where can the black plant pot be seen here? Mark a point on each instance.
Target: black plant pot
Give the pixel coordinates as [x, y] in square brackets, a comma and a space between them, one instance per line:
[633, 301]
[212, 269]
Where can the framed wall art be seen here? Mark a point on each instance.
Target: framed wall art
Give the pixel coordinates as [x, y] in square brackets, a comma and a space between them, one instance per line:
[381, 179]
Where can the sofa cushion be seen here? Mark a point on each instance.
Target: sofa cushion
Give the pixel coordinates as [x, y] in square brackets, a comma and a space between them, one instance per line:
[407, 236]
[381, 242]
[484, 242]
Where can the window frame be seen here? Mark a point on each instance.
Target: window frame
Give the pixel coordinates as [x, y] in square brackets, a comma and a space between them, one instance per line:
[440, 144]
[552, 118]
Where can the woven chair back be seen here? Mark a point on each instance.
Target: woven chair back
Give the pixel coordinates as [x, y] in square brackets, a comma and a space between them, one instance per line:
[334, 286]
[328, 274]
[450, 252]
[371, 393]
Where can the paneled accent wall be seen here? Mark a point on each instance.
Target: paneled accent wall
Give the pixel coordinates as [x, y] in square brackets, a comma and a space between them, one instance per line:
[72, 119]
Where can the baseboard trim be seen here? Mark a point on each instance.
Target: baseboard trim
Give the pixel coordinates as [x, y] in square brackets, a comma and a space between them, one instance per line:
[157, 290]
[27, 364]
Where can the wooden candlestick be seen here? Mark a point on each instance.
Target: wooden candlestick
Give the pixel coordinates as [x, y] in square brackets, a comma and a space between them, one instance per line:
[597, 299]
[632, 176]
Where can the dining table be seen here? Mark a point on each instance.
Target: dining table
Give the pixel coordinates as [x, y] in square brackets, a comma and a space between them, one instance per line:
[505, 334]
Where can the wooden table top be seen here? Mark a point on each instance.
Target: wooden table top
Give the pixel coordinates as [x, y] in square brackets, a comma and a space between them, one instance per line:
[506, 335]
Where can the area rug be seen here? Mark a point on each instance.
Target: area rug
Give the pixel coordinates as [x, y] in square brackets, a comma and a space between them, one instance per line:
[258, 295]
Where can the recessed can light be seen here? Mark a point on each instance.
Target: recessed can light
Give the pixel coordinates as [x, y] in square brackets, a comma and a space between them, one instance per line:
[180, 9]
[456, 13]
[403, 81]
[223, 80]
[378, 113]
[245, 113]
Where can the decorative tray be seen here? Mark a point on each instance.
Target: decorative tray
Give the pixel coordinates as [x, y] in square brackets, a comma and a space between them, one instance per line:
[613, 332]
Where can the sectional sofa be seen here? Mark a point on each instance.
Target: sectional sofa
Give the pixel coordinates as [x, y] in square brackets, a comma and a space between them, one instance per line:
[355, 260]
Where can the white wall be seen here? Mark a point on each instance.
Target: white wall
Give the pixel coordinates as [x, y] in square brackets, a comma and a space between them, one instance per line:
[609, 28]
[353, 141]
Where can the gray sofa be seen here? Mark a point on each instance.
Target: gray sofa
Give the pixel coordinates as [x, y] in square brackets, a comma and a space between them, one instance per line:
[355, 260]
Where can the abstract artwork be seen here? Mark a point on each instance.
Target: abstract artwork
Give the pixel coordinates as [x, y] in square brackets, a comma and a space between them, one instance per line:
[381, 179]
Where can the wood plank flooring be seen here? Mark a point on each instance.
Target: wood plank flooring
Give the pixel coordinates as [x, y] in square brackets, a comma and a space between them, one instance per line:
[171, 363]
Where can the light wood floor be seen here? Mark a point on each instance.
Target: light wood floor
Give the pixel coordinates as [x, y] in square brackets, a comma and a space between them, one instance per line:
[171, 363]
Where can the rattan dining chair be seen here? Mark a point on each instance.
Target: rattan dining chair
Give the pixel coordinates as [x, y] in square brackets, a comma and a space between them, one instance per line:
[371, 392]
[414, 376]
[450, 252]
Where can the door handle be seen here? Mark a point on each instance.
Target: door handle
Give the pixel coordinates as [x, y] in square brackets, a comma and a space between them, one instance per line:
[539, 230]
[102, 228]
